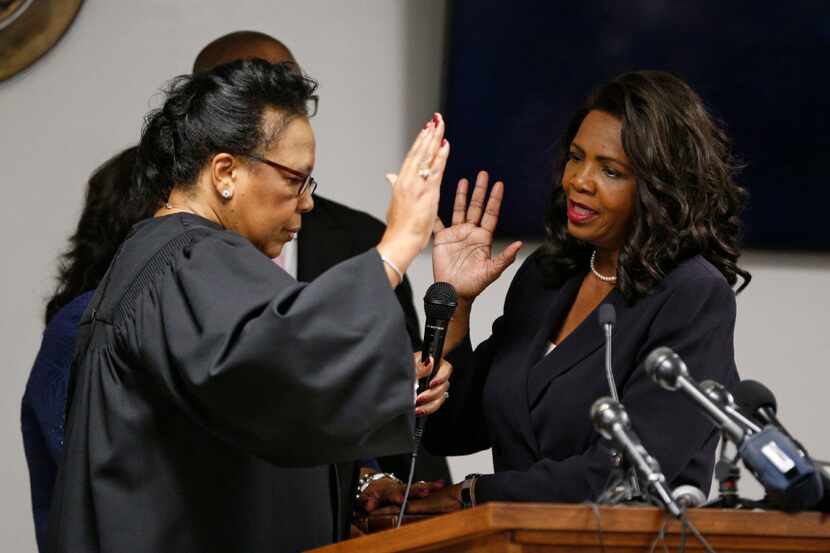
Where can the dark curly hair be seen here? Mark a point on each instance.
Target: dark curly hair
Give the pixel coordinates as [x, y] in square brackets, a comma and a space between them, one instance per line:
[687, 201]
[105, 221]
[213, 112]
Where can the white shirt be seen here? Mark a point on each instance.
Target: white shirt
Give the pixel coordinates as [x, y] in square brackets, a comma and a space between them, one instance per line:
[288, 257]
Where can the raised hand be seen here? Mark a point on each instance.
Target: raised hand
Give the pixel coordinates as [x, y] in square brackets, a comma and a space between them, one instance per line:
[462, 253]
[415, 195]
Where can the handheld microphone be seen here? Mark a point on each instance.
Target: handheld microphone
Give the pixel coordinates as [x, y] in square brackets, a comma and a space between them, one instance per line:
[759, 401]
[669, 371]
[607, 320]
[611, 421]
[791, 481]
[440, 302]
[718, 393]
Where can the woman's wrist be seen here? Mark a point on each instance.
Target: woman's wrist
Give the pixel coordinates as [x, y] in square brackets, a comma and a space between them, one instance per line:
[396, 256]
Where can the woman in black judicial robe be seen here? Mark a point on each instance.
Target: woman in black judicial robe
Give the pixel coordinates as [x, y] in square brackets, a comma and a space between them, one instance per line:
[201, 364]
[645, 216]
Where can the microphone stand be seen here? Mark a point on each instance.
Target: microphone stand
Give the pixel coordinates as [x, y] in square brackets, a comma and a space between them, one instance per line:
[623, 476]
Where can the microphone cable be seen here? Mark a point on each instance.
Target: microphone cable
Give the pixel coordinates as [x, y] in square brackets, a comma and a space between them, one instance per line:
[440, 302]
[419, 431]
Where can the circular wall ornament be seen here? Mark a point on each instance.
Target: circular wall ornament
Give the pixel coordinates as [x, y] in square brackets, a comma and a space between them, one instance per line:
[29, 28]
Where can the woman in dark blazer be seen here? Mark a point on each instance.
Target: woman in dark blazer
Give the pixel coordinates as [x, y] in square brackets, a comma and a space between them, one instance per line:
[645, 217]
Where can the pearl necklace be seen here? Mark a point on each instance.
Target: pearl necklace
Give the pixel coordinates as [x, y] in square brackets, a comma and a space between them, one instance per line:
[599, 275]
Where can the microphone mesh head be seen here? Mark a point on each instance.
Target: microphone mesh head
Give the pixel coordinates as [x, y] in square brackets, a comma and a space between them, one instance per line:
[607, 314]
[717, 392]
[665, 367]
[751, 395]
[605, 413]
[689, 496]
[440, 301]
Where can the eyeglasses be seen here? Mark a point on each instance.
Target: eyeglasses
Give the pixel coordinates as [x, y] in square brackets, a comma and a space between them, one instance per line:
[308, 186]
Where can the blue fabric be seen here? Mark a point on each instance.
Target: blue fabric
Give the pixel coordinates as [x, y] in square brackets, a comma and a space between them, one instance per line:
[43, 407]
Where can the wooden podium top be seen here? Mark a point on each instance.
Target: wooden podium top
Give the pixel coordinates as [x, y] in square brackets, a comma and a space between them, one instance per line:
[519, 527]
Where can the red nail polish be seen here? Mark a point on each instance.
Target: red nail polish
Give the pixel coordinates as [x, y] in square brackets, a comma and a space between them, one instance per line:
[443, 142]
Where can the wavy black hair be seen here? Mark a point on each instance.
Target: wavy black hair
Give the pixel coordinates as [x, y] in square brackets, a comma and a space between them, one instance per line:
[106, 219]
[213, 112]
[687, 201]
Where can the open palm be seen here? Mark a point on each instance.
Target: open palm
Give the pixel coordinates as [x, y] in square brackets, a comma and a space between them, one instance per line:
[462, 254]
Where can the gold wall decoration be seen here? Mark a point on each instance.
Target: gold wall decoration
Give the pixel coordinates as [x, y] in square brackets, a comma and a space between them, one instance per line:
[29, 28]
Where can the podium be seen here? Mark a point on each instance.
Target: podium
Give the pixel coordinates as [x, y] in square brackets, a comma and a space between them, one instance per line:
[572, 528]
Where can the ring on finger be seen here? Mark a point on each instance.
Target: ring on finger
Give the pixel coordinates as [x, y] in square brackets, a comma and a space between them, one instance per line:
[446, 395]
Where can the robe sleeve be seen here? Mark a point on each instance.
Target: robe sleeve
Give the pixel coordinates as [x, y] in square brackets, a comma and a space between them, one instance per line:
[298, 374]
[696, 321]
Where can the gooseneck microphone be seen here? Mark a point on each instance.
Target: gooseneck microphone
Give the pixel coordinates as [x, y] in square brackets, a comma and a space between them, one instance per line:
[611, 421]
[440, 302]
[607, 320]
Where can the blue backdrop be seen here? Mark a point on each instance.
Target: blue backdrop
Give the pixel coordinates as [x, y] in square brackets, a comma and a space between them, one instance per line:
[517, 70]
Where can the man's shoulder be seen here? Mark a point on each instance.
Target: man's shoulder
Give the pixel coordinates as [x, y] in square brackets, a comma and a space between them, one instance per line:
[341, 212]
[335, 214]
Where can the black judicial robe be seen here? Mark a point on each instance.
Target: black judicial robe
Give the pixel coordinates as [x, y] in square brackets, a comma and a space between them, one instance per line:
[533, 409]
[201, 368]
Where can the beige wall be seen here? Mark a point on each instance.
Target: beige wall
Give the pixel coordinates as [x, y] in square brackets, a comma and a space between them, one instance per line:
[379, 65]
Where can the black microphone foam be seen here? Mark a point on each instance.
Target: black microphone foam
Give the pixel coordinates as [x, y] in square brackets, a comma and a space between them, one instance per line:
[607, 314]
[751, 395]
[440, 301]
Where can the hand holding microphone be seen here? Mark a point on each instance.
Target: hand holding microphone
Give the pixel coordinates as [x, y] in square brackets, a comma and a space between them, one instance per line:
[437, 391]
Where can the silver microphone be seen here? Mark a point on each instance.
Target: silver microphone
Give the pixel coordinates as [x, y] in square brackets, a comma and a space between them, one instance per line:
[611, 421]
[669, 371]
[688, 496]
[718, 393]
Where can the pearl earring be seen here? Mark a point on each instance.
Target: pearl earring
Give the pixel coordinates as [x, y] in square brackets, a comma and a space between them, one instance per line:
[226, 194]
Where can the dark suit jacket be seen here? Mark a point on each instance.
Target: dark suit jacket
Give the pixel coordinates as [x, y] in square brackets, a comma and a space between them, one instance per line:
[332, 233]
[533, 410]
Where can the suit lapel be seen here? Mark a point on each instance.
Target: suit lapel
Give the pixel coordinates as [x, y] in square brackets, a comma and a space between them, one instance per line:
[582, 342]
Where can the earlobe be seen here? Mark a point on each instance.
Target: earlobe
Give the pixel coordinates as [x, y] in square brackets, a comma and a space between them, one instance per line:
[223, 168]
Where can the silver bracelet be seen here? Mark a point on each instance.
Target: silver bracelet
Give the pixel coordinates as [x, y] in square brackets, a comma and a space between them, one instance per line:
[392, 266]
[367, 479]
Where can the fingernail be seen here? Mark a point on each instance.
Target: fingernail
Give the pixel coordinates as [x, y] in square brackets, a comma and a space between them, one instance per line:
[443, 142]
[419, 412]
